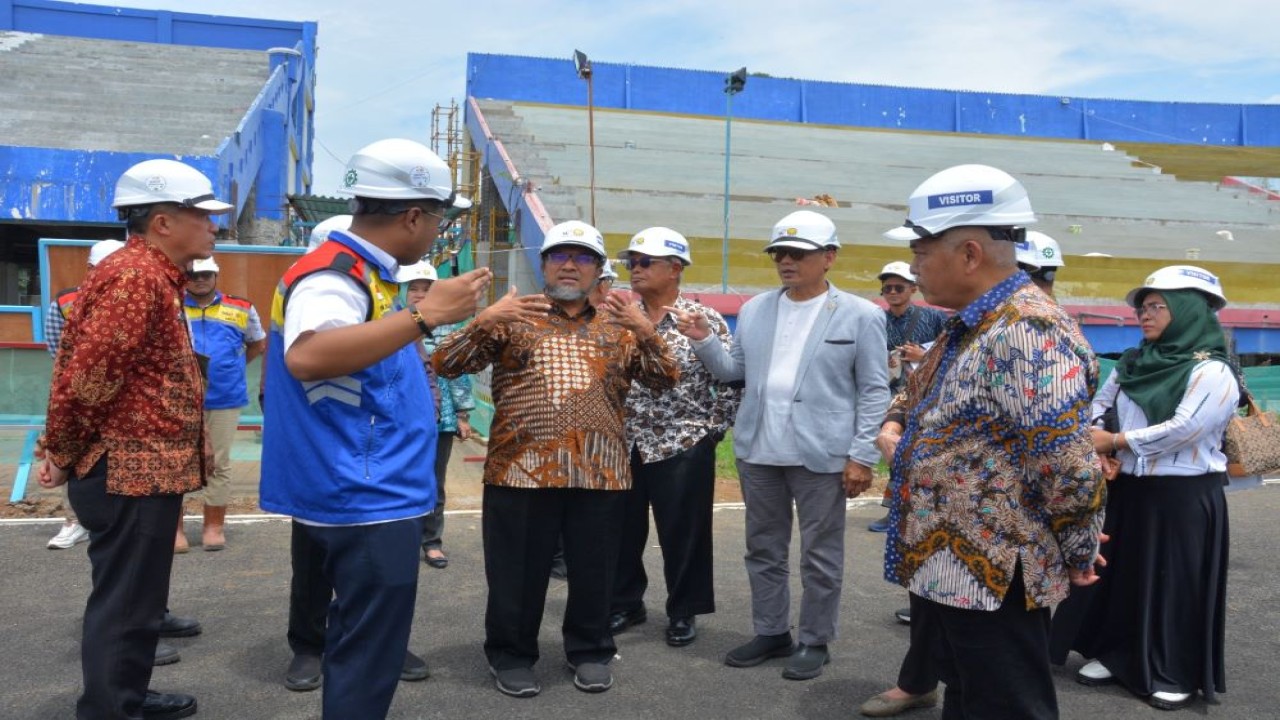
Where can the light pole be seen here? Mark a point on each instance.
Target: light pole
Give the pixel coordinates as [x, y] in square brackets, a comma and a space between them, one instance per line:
[583, 65]
[733, 84]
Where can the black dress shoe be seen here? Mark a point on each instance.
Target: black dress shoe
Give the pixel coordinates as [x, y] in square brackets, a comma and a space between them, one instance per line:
[414, 668]
[304, 673]
[681, 631]
[166, 655]
[167, 706]
[438, 562]
[624, 619]
[173, 626]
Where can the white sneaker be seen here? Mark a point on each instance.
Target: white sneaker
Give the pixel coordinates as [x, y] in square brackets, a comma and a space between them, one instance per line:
[69, 536]
[1093, 673]
[1169, 700]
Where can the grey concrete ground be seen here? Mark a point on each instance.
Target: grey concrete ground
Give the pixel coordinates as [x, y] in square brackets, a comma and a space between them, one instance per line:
[235, 667]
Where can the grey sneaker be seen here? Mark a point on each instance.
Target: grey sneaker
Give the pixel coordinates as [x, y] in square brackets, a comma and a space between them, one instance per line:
[517, 682]
[304, 673]
[592, 677]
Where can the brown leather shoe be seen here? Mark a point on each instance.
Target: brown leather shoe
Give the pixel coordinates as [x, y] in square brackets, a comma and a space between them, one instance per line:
[881, 706]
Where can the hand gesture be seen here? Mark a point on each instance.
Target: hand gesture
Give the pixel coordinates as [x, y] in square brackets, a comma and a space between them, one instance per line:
[912, 352]
[513, 308]
[857, 478]
[617, 309]
[464, 429]
[456, 298]
[692, 325]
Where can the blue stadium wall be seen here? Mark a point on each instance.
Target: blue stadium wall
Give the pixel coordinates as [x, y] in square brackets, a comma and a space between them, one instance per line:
[698, 92]
[276, 131]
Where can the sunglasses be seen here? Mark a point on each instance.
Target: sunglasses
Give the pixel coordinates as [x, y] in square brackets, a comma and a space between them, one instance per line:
[579, 259]
[792, 253]
[643, 261]
[887, 289]
[202, 275]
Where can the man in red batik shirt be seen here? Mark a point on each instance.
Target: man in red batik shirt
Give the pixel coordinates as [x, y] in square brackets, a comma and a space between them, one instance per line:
[125, 428]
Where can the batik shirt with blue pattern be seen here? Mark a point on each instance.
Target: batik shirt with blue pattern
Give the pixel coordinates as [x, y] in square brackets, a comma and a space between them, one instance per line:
[996, 464]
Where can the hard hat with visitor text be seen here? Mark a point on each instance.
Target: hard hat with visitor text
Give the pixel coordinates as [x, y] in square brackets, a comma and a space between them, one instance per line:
[166, 181]
[1181, 277]
[659, 242]
[964, 195]
[804, 229]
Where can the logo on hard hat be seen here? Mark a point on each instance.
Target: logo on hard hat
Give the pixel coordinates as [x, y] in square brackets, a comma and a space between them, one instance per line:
[792, 231]
[1206, 277]
[972, 197]
[420, 177]
[577, 232]
[351, 178]
[637, 240]
[1047, 252]
[156, 183]
[674, 245]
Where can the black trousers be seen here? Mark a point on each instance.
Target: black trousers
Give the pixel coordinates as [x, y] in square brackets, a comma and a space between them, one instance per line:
[995, 664]
[309, 594]
[131, 556]
[433, 523]
[918, 674]
[680, 490]
[521, 528]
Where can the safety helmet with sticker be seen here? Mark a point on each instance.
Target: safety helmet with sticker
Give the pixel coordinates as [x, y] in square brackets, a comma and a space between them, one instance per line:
[166, 181]
[575, 232]
[659, 242]
[964, 195]
[898, 268]
[421, 270]
[804, 229]
[398, 169]
[1181, 277]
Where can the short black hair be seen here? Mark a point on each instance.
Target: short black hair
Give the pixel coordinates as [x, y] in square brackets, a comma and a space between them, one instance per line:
[383, 206]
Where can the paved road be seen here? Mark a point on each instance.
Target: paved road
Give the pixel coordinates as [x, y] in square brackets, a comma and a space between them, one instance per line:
[235, 667]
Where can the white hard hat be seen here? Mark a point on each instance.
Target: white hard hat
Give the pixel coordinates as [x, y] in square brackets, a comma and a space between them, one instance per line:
[166, 181]
[899, 268]
[607, 272]
[421, 270]
[204, 265]
[659, 242]
[321, 231]
[398, 169]
[575, 232]
[101, 249]
[804, 229]
[964, 195]
[1039, 251]
[1181, 277]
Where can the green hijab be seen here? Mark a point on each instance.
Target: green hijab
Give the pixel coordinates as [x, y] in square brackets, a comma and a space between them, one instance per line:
[1154, 374]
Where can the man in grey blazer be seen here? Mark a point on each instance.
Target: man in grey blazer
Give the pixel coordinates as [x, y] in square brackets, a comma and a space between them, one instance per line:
[817, 387]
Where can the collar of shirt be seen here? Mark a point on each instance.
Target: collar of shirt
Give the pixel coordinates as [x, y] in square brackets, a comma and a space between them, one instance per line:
[175, 274]
[387, 265]
[972, 313]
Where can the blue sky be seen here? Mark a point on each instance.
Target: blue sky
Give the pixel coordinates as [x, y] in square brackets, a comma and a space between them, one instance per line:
[384, 64]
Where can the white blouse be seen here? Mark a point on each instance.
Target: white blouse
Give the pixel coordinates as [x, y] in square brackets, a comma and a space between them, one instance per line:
[1190, 442]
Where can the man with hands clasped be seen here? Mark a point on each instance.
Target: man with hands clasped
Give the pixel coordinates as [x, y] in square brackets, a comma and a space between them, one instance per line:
[817, 386]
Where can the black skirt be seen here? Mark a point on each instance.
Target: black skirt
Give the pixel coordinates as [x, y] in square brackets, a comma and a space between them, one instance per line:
[1156, 619]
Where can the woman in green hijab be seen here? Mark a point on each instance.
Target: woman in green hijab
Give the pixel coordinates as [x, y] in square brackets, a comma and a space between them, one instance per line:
[1154, 623]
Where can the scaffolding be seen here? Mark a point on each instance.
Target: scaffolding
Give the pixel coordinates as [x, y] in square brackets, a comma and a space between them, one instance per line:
[487, 226]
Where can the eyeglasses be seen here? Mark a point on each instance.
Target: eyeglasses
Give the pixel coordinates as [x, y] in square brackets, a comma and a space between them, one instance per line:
[887, 289]
[796, 254]
[579, 259]
[1149, 309]
[202, 275]
[643, 261]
